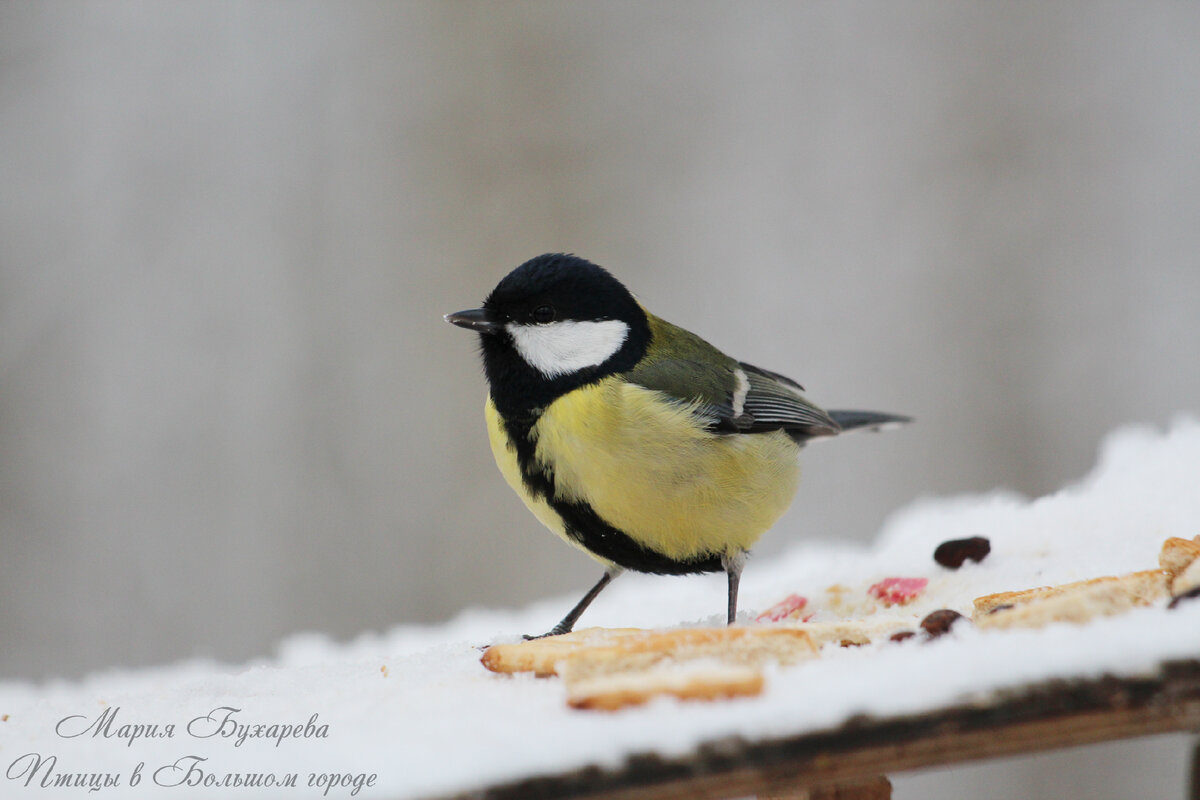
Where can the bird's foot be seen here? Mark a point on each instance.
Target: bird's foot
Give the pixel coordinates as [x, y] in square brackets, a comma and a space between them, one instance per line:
[557, 630]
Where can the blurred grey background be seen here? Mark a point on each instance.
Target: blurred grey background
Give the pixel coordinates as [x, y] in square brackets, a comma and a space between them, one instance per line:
[229, 407]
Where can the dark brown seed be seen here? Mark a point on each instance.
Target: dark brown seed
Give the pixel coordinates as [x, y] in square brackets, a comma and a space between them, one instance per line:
[901, 636]
[953, 553]
[1188, 595]
[939, 622]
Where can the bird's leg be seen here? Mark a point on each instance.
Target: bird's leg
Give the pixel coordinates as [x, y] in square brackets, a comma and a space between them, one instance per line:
[733, 563]
[568, 622]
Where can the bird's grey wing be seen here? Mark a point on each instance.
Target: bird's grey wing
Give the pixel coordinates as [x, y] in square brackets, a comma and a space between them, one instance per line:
[774, 402]
[734, 397]
[707, 387]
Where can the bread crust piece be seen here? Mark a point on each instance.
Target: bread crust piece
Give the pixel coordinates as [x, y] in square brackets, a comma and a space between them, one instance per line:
[1178, 554]
[1071, 602]
[541, 656]
[700, 681]
[854, 631]
[691, 664]
[1186, 580]
[1148, 585]
[751, 646]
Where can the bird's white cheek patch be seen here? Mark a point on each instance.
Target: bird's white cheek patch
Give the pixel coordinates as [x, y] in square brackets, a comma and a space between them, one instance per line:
[560, 348]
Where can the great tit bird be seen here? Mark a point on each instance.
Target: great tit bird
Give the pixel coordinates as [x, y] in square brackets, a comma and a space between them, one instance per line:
[633, 439]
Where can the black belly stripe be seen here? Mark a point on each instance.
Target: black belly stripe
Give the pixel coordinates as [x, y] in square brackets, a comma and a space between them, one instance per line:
[588, 528]
[585, 526]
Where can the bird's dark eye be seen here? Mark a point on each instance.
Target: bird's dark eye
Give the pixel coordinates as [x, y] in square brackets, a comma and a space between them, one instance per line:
[543, 314]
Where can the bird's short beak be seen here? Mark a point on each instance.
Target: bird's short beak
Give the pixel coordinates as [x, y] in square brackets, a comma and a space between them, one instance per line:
[479, 320]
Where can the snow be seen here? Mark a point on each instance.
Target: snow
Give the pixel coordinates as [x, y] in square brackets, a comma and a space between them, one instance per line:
[411, 713]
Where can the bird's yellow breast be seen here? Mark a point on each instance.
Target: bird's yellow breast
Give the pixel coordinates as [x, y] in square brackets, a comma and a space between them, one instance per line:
[648, 467]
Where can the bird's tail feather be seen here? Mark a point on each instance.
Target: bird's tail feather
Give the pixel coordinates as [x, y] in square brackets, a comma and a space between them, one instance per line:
[869, 420]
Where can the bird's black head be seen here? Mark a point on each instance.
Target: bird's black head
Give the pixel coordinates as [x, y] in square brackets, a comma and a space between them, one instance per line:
[555, 323]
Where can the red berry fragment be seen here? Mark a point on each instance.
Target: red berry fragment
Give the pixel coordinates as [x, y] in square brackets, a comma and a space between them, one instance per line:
[785, 608]
[898, 591]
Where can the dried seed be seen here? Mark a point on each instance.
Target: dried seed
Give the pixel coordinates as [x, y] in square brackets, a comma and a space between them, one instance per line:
[939, 622]
[953, 553]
